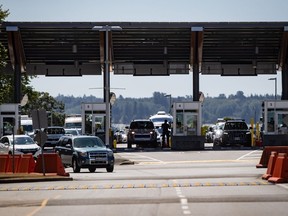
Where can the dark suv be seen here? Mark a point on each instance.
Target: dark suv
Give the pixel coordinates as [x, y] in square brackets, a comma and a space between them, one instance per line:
[142, 133]
[53, 135]
[232, 133]
[85, 152]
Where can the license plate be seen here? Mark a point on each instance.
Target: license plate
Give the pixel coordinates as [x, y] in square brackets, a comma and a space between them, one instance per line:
[237, 138]
[100, 159]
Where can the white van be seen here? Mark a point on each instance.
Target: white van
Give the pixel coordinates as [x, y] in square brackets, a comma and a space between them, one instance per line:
[73, 121]
[159, 118]
[27, 125]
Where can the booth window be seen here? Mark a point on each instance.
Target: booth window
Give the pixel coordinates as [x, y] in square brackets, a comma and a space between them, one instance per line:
[186, 122]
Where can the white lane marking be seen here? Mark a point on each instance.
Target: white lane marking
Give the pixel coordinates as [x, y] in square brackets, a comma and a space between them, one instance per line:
[183, 200]
[139, 157]
[248, 154]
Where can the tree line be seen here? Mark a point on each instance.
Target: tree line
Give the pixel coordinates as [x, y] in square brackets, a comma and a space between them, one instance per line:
[126, 109]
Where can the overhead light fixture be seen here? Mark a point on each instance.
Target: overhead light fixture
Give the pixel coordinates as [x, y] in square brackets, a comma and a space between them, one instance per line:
[257, 50]
[107, 28]
[74, 48]
[165, 50]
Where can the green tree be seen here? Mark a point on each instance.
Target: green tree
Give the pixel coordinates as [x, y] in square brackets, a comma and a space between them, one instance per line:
[42, 100]
[3, 52]
[5, 81]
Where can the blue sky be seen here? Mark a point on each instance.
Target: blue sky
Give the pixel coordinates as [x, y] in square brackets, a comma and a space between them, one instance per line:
[154, 11]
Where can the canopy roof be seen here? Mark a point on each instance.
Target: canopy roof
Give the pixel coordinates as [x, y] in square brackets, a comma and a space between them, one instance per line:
[146, 48]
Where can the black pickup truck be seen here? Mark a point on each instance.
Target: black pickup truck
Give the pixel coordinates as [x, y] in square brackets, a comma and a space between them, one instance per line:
[234, 132]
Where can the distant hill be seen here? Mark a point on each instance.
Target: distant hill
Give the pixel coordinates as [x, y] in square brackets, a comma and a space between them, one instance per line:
[126, 109]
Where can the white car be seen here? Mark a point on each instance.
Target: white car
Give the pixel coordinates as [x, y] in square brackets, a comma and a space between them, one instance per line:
[23, 144]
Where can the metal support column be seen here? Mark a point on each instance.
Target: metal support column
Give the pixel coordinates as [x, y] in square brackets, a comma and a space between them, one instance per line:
[17, 56]
[107, 87]
[106, 77]
[284, 82]
[17, 84]
[196, 46]
[195, 82]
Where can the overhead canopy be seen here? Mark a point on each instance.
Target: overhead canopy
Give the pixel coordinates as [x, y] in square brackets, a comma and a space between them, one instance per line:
[146, 48]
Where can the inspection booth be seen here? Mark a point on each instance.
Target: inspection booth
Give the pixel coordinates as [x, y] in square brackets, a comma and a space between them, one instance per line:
[186, 130]
[93, 119]
[275, 122]
[9, 118]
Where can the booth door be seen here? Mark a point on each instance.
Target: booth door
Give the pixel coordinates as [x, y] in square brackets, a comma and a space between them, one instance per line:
[7, 124]
[282, 122]
[186, 123]
[98, 123]
[191, 124]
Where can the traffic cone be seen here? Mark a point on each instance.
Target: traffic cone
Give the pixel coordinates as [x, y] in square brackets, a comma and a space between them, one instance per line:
[280, 172]
[267, 152]
[53, 164]
[271, 165]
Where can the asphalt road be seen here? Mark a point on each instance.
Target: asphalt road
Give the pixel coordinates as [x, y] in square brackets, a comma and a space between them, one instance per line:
[156, 182]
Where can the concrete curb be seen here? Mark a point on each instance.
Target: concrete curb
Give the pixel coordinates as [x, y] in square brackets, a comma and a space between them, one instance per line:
[32, 177]
[38, 177]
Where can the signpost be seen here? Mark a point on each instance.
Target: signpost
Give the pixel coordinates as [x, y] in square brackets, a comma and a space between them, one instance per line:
[39, 119]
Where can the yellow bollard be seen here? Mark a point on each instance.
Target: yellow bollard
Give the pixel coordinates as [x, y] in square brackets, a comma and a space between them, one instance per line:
[114, 143]
[252, 132]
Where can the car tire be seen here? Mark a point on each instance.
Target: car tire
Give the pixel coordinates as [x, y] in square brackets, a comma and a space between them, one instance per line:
[110, 168]
[75, 166]
[248, 144]
[155, 144]
[92, 169]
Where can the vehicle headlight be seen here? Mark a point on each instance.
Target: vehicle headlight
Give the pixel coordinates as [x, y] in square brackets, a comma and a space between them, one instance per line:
[83, 154]
[110, 153]
[218, 133]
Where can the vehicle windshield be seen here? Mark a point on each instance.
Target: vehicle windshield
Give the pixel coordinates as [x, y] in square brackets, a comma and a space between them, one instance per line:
[23, 140]
[142, 125]
[71, 131]
[219, 126]
[161, 120]
[55, 130]
[27, 128]
[236, 126]
[87, 142]
[73, 125]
